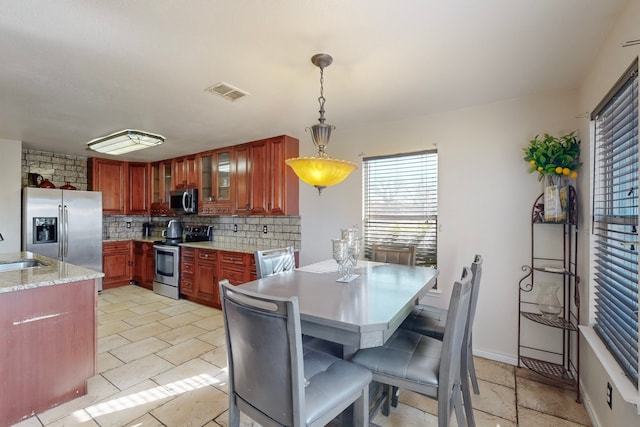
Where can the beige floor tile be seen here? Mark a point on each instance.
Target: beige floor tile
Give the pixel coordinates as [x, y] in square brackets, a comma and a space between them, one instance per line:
[185, 351]
[212, 337]
[143, 319]
[183, 333]
[150, 298]
[144, 331]
[148, 307]
[551, 400]
[531, 418]
[116, 315]
[107, 361]
[495, 372]
[216, 357]
[210, 323]
[532, 375]
[147, 420]
[495, 399]
[98, 388]
[139, 349]
[110, 342]
[78, 418]
[137, 371]
[192, 408]
[404, 416]
[178, 309]
[29, 422]
[189, 374]
[203, 311]
[117, 306]
[180, 320]
[112, 328]
[122, 408]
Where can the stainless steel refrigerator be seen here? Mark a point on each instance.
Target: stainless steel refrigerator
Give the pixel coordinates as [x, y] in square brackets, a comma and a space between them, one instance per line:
[63, 224]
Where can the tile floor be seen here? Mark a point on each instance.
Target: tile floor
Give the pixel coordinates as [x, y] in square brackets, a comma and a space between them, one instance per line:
[162, 363]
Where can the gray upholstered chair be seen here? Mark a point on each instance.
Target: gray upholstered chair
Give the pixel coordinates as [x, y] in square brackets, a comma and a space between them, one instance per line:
[431, 321]
[272, 378]
[393, 253]
[424, 364]
[274, 261]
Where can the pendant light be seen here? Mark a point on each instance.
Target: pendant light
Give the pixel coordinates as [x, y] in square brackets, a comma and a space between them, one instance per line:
[321, 171]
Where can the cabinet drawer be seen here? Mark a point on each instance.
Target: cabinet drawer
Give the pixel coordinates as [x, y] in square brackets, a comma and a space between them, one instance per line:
[234, 276]
[187, 268]
[124, 245]
[205, 254]
[232, 258]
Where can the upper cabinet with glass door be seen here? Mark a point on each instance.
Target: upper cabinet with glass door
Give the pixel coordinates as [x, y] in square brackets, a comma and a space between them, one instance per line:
[161, 184]
[216, 182]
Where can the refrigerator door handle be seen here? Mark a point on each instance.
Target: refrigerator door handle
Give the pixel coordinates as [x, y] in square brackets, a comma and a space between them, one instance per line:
[66, 231]
[60, 228]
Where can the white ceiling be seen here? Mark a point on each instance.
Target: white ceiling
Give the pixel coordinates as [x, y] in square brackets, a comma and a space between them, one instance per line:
[72, 70]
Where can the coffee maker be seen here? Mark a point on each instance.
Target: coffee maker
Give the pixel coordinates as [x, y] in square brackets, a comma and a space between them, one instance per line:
[146, 229]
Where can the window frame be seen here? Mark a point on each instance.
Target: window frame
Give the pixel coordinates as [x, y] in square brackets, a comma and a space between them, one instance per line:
[424, 216]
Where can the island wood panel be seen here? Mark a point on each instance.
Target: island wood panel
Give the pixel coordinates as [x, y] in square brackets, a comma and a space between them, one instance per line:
[48, 350]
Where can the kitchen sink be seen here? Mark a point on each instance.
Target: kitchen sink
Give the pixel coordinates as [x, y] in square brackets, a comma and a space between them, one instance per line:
[20, 264]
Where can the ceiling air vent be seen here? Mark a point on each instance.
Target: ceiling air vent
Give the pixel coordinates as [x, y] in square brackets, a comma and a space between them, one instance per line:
[227, 91]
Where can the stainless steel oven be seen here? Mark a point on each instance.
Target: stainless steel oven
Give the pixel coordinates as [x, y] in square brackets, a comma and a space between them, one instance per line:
[166, 280]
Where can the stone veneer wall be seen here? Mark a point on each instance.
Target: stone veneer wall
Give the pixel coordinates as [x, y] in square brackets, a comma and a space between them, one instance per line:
[60, 168]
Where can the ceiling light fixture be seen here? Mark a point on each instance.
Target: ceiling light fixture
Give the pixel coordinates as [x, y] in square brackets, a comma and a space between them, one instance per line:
[124, 141]
[321, 171]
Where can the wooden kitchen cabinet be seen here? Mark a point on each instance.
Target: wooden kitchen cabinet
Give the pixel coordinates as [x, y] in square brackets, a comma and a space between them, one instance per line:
[108, 176]
[143, 264]
[235, 267]
[206, 275]
[187, 272]
[137, 202]
[185, 172]
[116, 263]
[161, 183]
[216, 183]
[264, 184]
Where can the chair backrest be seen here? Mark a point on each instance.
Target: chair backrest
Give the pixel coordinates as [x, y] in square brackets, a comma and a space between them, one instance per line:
[454, 336]
[393, 253]
[274, 261]
[264, 350]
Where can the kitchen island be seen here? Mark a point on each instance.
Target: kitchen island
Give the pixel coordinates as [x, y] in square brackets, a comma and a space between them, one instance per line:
[48, 334]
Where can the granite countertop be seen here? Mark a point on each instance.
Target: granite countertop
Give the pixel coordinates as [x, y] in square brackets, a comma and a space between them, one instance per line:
[226, 246]
[54, 273]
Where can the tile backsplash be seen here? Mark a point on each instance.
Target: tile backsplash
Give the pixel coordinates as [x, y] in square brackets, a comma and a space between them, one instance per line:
[60, 168]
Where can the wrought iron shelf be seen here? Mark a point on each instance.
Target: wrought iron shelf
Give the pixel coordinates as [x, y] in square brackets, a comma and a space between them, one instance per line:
[549, 370]
[555, 322]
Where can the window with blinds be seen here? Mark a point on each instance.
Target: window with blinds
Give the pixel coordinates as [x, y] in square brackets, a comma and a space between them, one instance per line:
[615, 221]
[400, 202]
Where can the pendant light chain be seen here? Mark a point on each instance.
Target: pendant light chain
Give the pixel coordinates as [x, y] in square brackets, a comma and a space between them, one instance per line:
[321, 99]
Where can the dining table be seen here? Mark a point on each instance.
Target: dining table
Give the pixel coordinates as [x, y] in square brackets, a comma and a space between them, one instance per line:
[362, 312]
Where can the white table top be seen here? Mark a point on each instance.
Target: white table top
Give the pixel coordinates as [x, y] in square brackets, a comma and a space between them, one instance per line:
[362, 313]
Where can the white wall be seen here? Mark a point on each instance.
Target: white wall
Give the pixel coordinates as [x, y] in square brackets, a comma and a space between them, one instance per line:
[10, 207]
[612, 60]
[485, 198]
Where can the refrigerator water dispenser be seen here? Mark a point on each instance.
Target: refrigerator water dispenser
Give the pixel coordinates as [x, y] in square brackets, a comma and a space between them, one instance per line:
[45, 230]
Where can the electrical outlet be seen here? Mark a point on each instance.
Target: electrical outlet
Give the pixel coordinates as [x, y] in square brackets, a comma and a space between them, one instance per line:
[235, 228]
[609, 396]
[128, 224]
[264, 229]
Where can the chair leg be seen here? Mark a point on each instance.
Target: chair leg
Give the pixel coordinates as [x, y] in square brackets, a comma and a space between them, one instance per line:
[457, 406]
[466, 400]
[361, 409]
[395, 392]
[386, 388]
[472, 369]
[234, 413]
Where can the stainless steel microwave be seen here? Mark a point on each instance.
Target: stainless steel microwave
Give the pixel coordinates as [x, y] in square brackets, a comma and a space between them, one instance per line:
[184, 201]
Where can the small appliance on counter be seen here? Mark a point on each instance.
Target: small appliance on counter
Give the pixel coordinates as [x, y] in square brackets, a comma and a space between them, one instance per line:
[146, 229]
[167, 256]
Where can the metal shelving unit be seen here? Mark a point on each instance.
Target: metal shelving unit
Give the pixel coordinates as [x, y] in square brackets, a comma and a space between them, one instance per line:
[550, 345]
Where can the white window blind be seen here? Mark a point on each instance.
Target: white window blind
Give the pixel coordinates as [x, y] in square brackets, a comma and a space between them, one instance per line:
[615, 221]
[400, 202]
